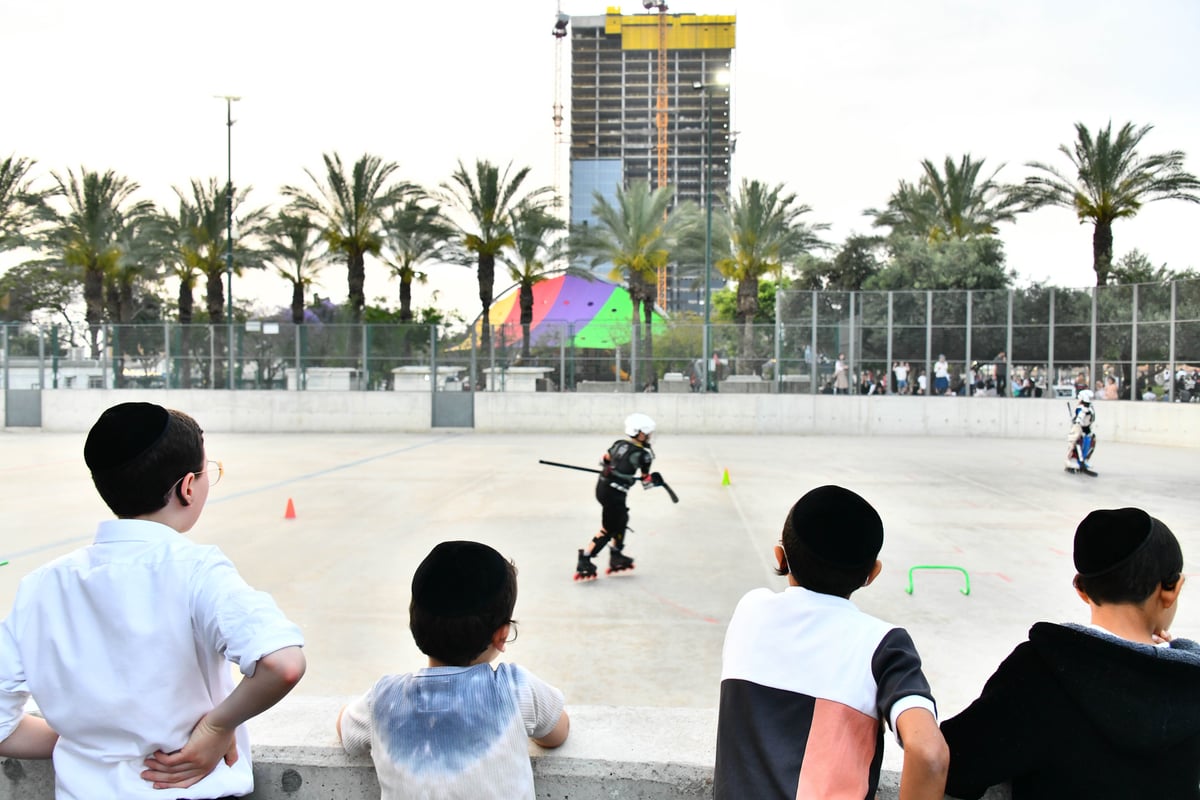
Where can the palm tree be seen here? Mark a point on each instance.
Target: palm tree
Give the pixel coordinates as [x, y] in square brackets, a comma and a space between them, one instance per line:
[414, 233]
[637, 235]
[1109, 180]
[189, 248]
[292, 247]
[22, 206]
[954, 203]
[350, 209]
[761, 230]
[486, 197]
[196, 244]
[200, 233]
[88, 237]
[531, 258]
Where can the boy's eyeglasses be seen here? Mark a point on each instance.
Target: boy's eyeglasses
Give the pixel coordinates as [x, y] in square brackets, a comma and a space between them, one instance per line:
[214, 469]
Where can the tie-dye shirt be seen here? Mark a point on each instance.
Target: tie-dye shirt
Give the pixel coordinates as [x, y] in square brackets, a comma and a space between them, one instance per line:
[453, 732]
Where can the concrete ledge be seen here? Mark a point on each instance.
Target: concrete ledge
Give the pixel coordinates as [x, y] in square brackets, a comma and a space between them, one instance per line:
[612, 754]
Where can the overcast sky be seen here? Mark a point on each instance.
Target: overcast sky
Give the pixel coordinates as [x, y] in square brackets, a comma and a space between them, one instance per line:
[838, 100]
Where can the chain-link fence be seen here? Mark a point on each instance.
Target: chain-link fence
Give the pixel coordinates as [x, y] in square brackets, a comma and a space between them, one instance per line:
[1128, 342]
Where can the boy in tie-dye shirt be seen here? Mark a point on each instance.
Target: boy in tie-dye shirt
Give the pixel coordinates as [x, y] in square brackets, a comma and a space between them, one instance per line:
[458, 728]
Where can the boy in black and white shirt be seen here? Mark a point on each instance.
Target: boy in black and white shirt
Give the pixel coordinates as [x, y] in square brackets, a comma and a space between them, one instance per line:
[807, 679]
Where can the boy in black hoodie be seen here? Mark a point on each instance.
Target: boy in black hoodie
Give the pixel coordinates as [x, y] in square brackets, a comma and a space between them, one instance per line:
[1106, 710]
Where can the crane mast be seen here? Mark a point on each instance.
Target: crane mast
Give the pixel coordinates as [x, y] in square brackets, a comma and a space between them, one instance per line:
[660, 120]
[560, 32]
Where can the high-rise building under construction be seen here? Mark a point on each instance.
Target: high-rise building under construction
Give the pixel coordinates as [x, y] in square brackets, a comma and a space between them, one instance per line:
[647, 90]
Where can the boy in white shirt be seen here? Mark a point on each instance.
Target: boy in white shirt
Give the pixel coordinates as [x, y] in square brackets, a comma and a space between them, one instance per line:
[125, 644]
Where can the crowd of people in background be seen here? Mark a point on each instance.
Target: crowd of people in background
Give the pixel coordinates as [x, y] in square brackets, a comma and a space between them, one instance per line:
[993, 379]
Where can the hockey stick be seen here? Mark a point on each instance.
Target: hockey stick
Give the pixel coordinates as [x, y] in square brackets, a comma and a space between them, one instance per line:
[568, 466]
[670, 492]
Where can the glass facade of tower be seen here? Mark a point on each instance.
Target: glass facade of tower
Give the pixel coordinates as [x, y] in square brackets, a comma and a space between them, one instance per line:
[614, 108]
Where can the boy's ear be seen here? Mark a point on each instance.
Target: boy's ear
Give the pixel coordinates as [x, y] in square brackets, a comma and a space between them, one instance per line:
[781, 560]
[500, 637]
[1082, 594]
[1169, 596]
[874, 573]
[183, 489]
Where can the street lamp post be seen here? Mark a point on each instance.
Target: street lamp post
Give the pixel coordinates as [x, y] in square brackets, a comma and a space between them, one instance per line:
[721, 80]
[229, 101]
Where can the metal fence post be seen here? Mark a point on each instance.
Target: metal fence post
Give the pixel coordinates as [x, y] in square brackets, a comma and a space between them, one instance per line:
[967, 355]
[491, 354]
[778, 371]
[104, 359]
[41, 358]
[891, 388]
[166, 355]
[928, 343]
[1131, 379]
[4, 352]
[633, 358]
[1092, 352]
[297, 332]
[1171, 344]
[853, 359]
[812, 367]
[474, 376]
[364, 381]
[1008, 354]
[54, 355]
[1051, 377]
[433, 376]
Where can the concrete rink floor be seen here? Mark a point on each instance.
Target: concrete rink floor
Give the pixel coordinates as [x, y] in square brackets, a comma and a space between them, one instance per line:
[369, 507]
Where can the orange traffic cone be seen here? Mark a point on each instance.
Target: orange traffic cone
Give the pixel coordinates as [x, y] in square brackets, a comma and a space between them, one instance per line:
[291, 510]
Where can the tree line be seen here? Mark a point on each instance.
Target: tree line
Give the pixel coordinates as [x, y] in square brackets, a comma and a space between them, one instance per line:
[92, 239]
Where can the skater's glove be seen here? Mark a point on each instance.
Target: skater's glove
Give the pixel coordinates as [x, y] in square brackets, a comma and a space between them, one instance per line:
[651, 480]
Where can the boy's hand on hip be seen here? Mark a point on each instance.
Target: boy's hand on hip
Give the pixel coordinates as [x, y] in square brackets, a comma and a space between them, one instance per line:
[206, 747]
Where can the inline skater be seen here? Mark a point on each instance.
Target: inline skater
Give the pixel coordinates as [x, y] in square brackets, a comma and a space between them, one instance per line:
[620, 464]
[1081, 439]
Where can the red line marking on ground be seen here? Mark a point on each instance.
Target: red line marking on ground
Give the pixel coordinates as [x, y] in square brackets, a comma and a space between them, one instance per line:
[1058, 552]
[683, 609]
[999, 575]
[958, 549]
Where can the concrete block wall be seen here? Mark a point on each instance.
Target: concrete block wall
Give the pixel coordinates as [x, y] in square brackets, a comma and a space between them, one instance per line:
[611, 754]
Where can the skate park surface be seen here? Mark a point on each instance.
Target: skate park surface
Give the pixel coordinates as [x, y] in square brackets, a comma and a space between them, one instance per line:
[370, 506]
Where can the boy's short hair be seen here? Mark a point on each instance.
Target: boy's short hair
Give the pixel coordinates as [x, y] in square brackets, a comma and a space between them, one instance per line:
[1123, 555]
[832, 539]
[137, 452]
[462, 593]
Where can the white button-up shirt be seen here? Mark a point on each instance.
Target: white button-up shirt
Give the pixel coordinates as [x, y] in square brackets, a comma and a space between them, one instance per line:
[124, 646]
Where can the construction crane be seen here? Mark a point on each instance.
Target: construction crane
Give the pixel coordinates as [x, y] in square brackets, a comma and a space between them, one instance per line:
[560, 32]
[660, 119]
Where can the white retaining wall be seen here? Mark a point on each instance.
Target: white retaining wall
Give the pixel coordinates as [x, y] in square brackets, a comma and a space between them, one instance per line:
[1171, 424]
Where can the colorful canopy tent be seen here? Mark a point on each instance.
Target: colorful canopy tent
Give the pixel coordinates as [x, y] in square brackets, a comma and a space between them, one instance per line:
[585, 313]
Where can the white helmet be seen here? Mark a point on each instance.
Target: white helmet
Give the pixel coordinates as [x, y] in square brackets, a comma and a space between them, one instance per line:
[1085, 395]
[638, 423]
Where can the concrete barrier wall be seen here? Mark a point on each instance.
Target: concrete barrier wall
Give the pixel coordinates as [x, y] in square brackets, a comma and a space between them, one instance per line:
[1175, 424]
[611, 754]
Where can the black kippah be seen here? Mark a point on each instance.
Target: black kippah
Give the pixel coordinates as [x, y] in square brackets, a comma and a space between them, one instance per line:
[838, 527]
[457, 579]
[123, 433]
[1107, 538]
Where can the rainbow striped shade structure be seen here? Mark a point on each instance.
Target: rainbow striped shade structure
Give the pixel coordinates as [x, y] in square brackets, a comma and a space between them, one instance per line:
[586, 313]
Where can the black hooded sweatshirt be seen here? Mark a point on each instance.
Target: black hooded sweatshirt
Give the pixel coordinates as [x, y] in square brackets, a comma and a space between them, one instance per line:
[1076, 712]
